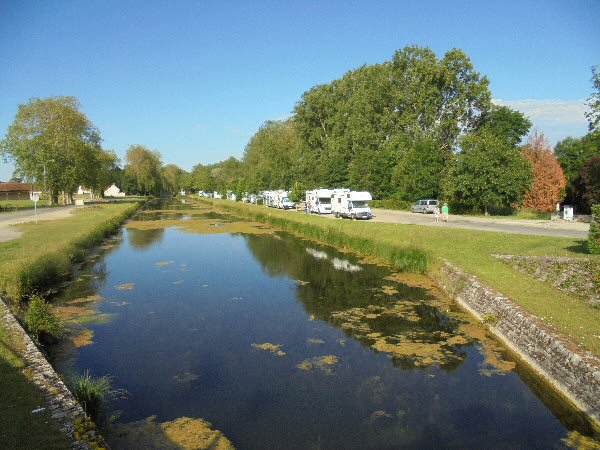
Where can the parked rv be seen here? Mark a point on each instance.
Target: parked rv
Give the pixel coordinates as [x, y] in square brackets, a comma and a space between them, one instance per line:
[319, 201]
[282, 201]
[351, 204]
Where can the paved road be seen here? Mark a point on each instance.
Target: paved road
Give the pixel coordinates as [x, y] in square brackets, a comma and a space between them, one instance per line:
[555, 228]
[7, 219]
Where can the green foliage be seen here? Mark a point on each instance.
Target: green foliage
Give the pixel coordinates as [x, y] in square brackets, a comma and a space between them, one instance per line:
[143, 171]
[594, 234]
[391, 203]
[42, 324]
[92, 391]
[590, 177]
[420, 170]
[506, 124]
[488, 172]
[52, 142]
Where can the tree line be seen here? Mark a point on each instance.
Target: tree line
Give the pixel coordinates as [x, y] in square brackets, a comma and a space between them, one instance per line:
[412, 127]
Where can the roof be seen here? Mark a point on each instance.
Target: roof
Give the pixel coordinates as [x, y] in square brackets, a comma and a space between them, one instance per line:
[18, 187]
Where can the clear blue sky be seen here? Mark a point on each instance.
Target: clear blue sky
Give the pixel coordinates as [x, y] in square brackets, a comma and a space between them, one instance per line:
[196, 79]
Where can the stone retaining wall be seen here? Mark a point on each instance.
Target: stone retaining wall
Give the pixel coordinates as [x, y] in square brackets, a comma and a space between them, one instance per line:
[565, 365]
[63, 407]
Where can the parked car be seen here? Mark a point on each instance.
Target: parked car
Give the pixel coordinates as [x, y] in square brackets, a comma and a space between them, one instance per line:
[425, 206]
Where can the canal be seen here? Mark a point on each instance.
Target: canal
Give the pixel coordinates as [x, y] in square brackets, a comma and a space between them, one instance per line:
[282, 343]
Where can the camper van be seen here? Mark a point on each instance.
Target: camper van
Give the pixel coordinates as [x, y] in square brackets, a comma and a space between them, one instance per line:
[351, 204]
[319, 201]
[282, 201]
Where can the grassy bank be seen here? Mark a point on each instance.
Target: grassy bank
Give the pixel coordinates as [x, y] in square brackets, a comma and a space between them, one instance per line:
[46, 251]
[40, 258]
[469, 249]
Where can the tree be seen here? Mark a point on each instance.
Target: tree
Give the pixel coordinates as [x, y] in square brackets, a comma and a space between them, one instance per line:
[506, 124]
[170, 176]
[590, 176]
[548, 187]
[572, 154]
[593, 103]
[53, 143]
[143, 171]
[488, 172]
[420, 170]
[270, 159]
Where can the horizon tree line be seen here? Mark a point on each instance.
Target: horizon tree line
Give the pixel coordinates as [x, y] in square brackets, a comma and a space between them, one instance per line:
[412, 127]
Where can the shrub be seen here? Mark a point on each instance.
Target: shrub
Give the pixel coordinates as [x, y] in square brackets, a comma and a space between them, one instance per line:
[391, 203]
[594, 234]
[44, 326]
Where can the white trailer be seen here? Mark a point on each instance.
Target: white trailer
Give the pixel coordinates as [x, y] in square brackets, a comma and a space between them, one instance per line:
[351, 204]
[318, 201]
[269, 198]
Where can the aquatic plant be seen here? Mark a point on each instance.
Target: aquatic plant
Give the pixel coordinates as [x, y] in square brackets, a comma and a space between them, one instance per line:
[92, 391]
[44, 326]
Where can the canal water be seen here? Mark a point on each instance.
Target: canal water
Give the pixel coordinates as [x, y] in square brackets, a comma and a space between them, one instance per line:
[282, 343]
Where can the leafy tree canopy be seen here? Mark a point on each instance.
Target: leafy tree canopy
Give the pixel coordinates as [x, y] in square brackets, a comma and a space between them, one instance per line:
[488, 172]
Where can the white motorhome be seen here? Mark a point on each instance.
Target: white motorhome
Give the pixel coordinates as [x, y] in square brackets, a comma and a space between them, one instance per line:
[282, 201]
[351, 204]
[269, 198]
[318, 201]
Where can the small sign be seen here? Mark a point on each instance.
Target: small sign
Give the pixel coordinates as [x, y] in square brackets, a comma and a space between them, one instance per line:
[34, 196]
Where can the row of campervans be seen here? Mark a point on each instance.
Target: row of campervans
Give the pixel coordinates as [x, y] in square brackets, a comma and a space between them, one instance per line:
[339, 202]
[277, 199]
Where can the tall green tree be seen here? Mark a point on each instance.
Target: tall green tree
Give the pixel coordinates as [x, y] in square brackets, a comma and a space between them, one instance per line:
[170, 176]
[506, 123]
[143, 171]
[488, 172]
[52, 142]
[270, 158]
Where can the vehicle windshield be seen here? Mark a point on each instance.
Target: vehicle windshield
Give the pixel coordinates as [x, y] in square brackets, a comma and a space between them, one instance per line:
[324, 200]
[287, 200]
[359, 204]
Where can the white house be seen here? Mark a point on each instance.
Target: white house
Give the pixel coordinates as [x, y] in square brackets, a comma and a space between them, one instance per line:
[113, 191]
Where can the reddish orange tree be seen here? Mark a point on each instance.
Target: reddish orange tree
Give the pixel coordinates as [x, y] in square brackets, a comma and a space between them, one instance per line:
[548, 187]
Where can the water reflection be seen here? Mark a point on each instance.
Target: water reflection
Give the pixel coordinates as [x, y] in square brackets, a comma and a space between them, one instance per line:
[141, 239]
[258, 332]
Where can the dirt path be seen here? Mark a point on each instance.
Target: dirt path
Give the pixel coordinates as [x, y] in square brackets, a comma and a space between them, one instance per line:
[7, 220]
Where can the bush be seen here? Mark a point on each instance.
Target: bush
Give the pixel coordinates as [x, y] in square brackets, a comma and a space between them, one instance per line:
[91, 391]
[44, 326]
[392, 203]
[594, 234]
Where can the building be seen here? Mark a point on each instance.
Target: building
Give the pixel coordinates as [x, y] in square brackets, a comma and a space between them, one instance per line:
[16, 191]
[113, 191]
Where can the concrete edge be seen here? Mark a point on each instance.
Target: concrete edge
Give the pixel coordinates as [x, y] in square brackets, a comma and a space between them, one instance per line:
[567, 367]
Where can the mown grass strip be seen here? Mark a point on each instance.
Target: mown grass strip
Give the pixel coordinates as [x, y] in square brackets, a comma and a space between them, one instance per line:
[471, 250]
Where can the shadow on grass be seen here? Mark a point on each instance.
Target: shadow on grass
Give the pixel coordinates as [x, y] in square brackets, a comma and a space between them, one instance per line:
[580, 248]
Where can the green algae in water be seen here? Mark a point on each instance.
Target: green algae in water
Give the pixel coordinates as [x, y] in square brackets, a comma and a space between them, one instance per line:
[322, 363]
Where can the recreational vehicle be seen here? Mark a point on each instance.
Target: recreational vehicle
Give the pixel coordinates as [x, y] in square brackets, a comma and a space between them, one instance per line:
[282, 201]
[318, 201]
[351, 204]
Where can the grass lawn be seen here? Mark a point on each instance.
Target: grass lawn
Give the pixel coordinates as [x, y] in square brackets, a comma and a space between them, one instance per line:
[472, 251]
[64, 239]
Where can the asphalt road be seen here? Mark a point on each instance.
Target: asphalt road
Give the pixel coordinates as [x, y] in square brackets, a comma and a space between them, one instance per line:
[7, 219]
[554, 228]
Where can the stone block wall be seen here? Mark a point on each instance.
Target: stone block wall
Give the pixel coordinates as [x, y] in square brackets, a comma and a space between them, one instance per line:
[565, 365]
